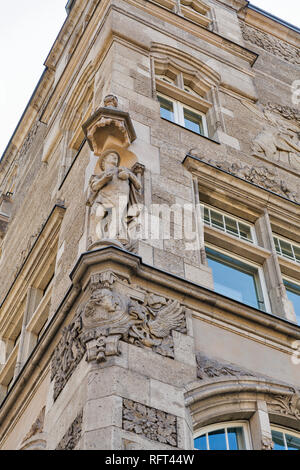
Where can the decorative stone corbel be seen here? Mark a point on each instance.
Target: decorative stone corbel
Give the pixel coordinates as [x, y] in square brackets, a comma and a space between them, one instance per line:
[107, 126]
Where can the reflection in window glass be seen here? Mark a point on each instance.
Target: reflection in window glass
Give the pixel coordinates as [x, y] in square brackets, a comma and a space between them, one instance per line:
[293, 293]
[228, 438]
[227, 224]
[285, 441]
[193, 121]
[235, 279]
[166, 109]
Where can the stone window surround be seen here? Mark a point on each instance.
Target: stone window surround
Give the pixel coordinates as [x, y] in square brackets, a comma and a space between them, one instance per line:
[187, 72]
[178, 108]
[195, 10]
[25, 304]
[255, 207]
[251, 399]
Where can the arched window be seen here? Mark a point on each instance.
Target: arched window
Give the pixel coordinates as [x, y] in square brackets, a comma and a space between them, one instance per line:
[285, 439]
[224, 436]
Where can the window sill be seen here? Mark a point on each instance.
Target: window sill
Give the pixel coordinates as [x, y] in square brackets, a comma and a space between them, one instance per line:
[188, 130]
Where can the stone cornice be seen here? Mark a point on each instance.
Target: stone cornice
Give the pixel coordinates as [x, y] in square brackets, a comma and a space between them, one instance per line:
[270, 26]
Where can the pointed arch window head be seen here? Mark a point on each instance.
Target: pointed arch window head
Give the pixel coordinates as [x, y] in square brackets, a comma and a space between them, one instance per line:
[194, 10]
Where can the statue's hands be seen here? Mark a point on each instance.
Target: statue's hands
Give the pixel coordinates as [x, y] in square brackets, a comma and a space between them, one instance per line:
[124, 174]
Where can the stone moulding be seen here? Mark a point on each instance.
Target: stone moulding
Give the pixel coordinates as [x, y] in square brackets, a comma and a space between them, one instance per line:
[270, 44]
[259, 176]
[151, 423]
[109, 316]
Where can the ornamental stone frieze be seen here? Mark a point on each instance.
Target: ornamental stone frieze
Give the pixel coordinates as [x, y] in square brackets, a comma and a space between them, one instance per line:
[259, 175]
[109, 316]
[270, 44]
[151, 423]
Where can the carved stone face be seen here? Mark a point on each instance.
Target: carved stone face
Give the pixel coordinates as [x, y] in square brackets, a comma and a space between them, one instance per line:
[105, 298]
[111, 160]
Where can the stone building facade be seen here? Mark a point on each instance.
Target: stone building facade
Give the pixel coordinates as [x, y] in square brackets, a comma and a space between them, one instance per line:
[149, 233]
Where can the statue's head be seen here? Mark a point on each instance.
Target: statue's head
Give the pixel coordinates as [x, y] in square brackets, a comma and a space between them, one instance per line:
[109, 159]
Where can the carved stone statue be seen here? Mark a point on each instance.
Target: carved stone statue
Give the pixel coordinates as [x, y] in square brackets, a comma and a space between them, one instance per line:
[113, 198]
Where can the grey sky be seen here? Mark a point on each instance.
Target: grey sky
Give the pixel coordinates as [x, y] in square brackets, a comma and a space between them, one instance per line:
[28, 29]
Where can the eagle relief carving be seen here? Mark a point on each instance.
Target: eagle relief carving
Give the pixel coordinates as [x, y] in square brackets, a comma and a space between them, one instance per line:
[110, 316]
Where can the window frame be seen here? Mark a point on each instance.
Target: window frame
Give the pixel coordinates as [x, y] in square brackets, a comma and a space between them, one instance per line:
[290, 242]
[285, 431]
[224, 214]
[259, 276]
[178, 111]
[225, 425]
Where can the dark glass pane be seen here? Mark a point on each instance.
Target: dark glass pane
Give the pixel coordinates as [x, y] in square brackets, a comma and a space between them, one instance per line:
[166, 109]
[216, 220]
[193, 121]
[231, 280]
[286, 249]
[293, 293]
[236, 440]
[231, 226]
[278, 440]
[293, 442]
[245, 231]
[297, 253]
[277, 246]
[217, 440]
[200, 443]
[206, 215]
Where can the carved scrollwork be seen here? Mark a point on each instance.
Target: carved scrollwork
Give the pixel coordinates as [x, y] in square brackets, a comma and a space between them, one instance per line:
[288, 405]
[110, 316]
[208, 368]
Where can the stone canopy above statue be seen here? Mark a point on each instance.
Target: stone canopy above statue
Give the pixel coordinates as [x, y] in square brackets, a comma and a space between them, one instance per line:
[109, 127]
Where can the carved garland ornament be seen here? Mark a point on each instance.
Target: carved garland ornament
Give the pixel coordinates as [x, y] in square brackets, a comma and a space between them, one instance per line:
[287, 405]
[260, 176]
[110, 316]
[149, 422]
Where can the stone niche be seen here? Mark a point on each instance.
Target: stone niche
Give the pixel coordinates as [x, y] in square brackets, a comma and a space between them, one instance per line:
[116, 185]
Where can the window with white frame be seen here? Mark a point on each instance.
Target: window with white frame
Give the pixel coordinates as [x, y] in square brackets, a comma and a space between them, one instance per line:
[293, 294]
[225, 436]
[284, 439]
[238, 279]
[179, 113]
[228, 224]
[287, 249]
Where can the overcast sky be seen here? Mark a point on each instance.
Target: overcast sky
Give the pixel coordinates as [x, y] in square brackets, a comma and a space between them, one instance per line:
[28, 29]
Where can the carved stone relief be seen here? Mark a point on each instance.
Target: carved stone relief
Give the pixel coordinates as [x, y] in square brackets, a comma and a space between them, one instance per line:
[72, 436]
[149, 422]
[259, 175]
[287, 405]
[292, 114]
[270, 43]
[208, 368]
[110, 316]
